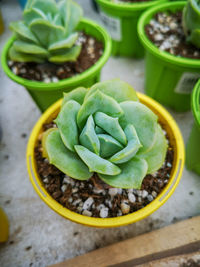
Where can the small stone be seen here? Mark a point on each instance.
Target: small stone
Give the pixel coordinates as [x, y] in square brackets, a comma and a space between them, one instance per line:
[63, 188]
[47, 80]
[46, 160]
[74, 190]
[119, 213]
[88, 203]
[101, 206]
[54, 79]
[131, 197]
[76, 202]
[139, 193]
[150, 198]
[139, 199]
[112, 192]
[165, 181]
[144, 193]
[97, 191]
[158, 37]
[67, 179]
[169, 164]
[125, 208]
[15, 70]
[87, 213]
[173, 25]
[46, 180]
[22, 71]
[91, 41]
[103, 212]
[70, 200]
[10, 63]
[154, 194]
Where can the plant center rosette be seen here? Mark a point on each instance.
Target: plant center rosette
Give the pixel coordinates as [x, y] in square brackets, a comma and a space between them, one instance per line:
[107, 131]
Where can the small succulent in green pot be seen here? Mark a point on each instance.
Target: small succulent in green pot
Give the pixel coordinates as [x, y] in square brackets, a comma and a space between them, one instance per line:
[191, 22]
[47, 32]
[107, 131]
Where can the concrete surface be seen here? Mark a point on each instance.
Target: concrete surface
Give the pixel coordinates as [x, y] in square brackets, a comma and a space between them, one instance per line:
[38, 236]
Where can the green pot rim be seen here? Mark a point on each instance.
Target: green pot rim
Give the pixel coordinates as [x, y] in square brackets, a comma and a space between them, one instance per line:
[195, 103]
[66, 82]
[128, 6]
[145, 18]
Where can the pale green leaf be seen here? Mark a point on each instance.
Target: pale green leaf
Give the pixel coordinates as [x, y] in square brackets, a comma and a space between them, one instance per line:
[108, 145]
[22, 57]
[24, 47]
[22, 31]
[77, 95]
[70, 55]
[65, 43]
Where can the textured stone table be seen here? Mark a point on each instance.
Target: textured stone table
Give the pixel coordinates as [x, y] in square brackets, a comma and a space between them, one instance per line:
[38, 236]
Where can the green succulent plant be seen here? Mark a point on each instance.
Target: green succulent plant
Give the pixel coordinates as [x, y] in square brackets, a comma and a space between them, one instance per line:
[47, 32]
[106, 130]
[191, 22]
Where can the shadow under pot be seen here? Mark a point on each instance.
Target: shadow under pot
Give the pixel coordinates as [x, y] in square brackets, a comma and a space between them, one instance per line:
[172, 64]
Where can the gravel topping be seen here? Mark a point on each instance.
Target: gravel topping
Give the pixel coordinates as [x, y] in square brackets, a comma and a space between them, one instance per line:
[93, 197]
[166, 32]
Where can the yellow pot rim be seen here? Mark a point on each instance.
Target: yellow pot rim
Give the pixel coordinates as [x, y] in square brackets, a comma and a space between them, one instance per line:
[178, 164]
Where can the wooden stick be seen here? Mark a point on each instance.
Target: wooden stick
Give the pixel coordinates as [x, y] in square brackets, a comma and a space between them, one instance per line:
[180, 238]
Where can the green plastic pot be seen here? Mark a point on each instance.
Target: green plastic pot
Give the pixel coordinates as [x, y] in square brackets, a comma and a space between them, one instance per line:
[169, 79]
[193, 145]
[120, 19]
[44, 94]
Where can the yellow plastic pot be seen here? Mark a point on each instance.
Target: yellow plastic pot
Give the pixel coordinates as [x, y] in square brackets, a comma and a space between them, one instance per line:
[175, 138]
[4, 227]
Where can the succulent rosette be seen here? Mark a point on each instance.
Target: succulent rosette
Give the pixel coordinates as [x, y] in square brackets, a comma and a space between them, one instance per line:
[106, 130]
[191, 22]
[47, 32]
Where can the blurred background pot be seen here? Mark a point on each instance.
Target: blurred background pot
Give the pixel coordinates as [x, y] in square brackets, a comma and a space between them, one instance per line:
[120, 19]
[169, 79]
[193, 146]
[44, 94]
[175, 139]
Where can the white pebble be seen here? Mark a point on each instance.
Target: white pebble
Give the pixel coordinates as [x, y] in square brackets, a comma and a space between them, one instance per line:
[47, 80]
[103, 212]
[63, 188]
[158, 37]
[46, 180]
[154, 194]
[74, 190]
[87, 213]
[101, 206]
[23, 70]
[15, 70]
[125, 208]
[150, 198]
[131, 197]
[139, 193]
[169, 164]
[173, 25]
[67, 179]
[119, 213]
[10, 62]
[113, 191]
[144, 193]
[76, 202]
[54, 79]
[97, 191]
[139, 199]
[70, 200]
[88, 203]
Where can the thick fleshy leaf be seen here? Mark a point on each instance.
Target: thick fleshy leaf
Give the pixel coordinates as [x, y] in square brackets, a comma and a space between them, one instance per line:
[46, 32]
[88, 137]
[144, 121]
[99, 130]
[76, 14]
[111, 126]
[156, 156]
[46, 6]
[131, 176]
[24, 47]
[65, 43]
[95, 163]
[131, 149]
[65, 160]
[76, 95]
[44, 136]
[23, 32]
[119, 90]
[194, 38]
[64, 9]
[31, 14]
[98, 102]
[21, 57]
[108, 145]
[70, 55]
[66, 122]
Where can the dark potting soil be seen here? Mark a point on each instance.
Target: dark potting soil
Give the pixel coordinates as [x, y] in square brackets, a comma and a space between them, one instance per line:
[91, 51]
[95, 198]
[166, 32]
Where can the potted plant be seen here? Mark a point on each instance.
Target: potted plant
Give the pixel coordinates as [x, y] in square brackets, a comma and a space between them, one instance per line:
[193, 145]
[123, 150]
[54, 50]
[120, 19]
[168, 34]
